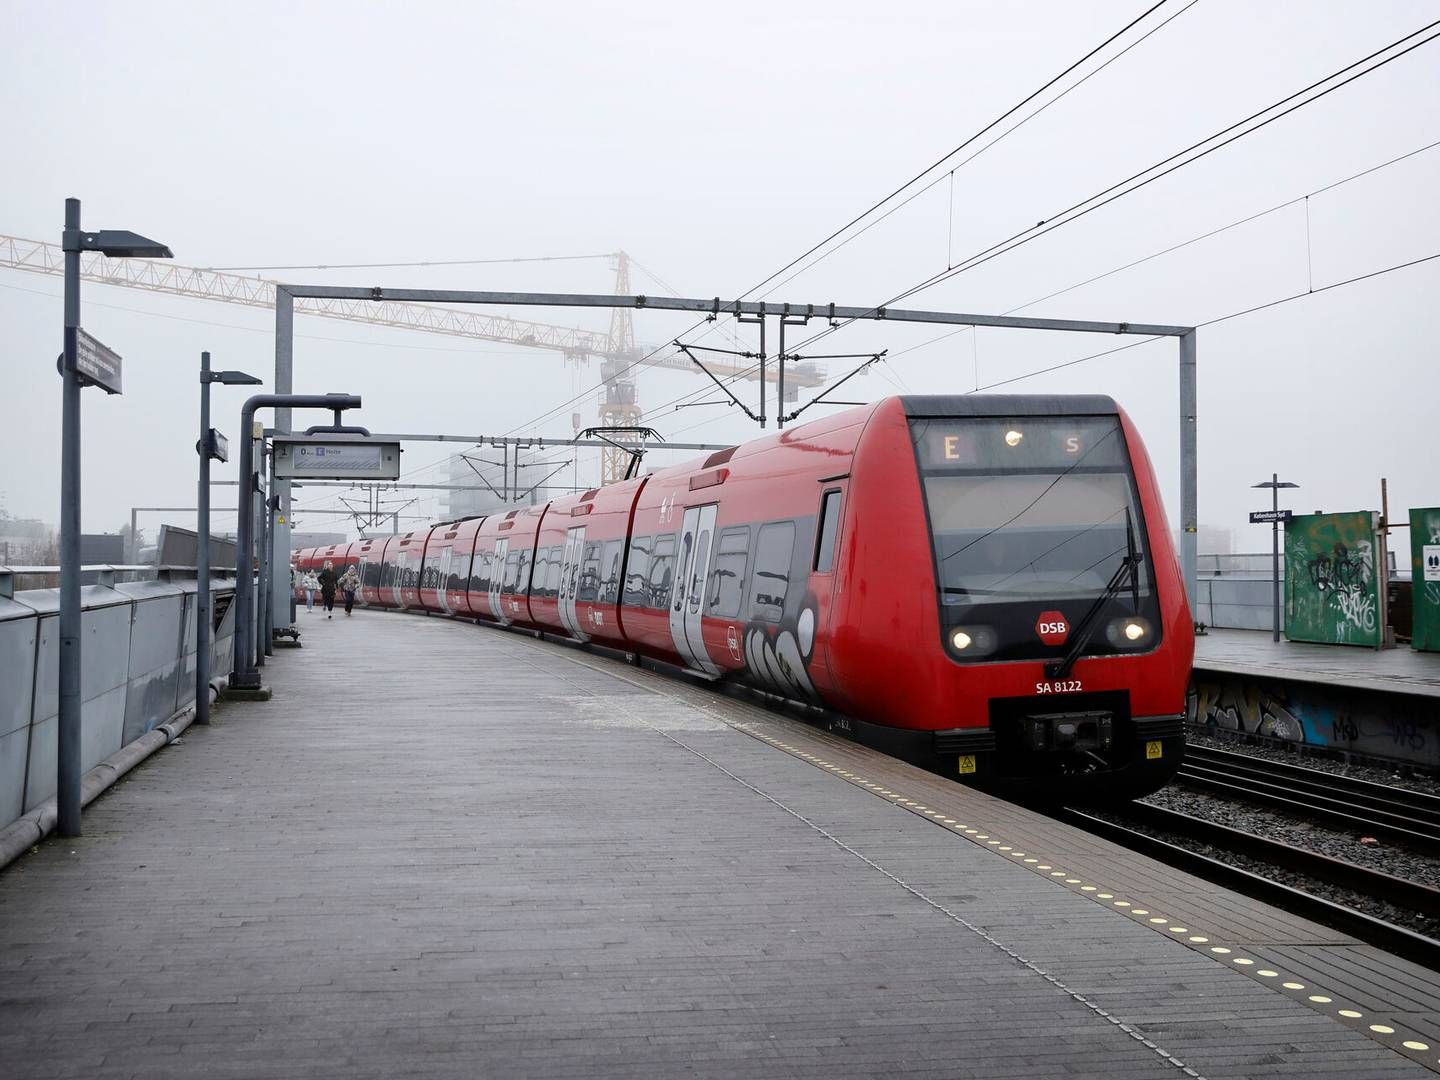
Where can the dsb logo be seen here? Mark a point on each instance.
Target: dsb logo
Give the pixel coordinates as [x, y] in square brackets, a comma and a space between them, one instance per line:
[1052, 627]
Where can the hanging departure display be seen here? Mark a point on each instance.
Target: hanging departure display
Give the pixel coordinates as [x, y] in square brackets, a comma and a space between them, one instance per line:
[308, 457]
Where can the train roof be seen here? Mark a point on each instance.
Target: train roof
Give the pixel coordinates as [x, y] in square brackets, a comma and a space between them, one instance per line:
[1008, 405]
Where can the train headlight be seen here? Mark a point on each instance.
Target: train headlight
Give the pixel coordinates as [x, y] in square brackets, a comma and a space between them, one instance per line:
[972, 641]
[1131, 632]
[1013, 437]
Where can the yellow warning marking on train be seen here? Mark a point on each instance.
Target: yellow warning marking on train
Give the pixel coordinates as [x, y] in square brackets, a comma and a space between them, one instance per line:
[967, 763]
[1153, 750]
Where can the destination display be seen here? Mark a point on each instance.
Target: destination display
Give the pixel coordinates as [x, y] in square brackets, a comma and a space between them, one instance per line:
[1027, 442]
[319, 458]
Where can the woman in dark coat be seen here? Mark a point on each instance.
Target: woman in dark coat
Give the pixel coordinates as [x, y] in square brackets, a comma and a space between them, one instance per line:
[328, 581]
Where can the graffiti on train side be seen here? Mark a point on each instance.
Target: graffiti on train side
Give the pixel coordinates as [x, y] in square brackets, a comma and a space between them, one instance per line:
[1377, 725]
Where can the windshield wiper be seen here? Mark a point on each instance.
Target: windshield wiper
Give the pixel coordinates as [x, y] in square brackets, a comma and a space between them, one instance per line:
[1127, 572]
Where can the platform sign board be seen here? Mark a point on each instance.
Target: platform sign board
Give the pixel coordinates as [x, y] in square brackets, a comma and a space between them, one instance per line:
[1259, 516]
[1332, 591]
[96, 363]
[1425, 579]
[330, 457]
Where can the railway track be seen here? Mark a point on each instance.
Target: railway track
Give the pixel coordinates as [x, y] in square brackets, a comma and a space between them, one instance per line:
[1342, 802]
[1313, 866]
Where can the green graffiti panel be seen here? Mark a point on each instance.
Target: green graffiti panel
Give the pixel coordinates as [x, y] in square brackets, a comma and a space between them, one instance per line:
[1332, 592]
[1425, 578]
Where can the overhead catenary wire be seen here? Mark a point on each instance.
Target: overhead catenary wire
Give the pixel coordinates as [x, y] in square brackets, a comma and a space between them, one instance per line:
[960, 165]
[1174, 161]
[902, 188]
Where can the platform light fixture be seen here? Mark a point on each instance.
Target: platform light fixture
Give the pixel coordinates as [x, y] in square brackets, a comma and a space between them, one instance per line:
[104, 371]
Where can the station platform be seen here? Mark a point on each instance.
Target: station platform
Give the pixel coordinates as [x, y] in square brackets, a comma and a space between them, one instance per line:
[444, 850]
[1253, 653]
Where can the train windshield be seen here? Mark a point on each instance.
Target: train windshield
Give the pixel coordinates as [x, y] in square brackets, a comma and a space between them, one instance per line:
[1030, 508]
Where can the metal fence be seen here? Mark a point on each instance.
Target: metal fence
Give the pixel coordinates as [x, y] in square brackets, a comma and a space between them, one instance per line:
[139, 671]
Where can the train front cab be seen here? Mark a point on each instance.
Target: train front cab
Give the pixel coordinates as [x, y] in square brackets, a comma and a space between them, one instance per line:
[950, 651]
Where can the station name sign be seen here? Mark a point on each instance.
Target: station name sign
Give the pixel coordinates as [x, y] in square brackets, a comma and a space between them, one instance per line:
[95, 363]
[1257, 516]
[332, 457]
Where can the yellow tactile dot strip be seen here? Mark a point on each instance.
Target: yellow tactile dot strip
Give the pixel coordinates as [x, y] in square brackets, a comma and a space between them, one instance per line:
[1386, 1033]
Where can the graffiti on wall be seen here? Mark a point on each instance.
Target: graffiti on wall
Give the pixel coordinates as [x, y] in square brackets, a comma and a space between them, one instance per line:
[1332, 588]
[1394, 726]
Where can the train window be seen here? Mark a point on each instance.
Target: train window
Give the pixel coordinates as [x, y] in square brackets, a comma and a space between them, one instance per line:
[459, 572]
[554, 570]
[636, 571]
[588, 587]
[722, 598]
[771, 579]
[610, 578]
[829, 529]
[511, 571]
[541, 572]
[522, 576]
[387, 574]
[480, 572]
[662, 573]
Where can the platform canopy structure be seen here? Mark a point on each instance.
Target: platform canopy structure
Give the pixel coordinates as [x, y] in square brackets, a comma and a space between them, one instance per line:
[286, 296]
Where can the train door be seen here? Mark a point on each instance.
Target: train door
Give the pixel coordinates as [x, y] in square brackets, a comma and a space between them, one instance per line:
[687, 602]
[402, 561]
[570, 580]
[497, 578]
[826, 580]
[442, 582]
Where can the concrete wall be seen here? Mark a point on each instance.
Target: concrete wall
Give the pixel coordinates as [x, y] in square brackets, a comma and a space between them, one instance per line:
[138, 670]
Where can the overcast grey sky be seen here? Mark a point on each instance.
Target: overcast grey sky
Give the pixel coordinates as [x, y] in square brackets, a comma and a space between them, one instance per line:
[715, 145]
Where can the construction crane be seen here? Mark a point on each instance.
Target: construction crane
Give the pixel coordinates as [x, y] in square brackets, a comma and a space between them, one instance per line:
[620, 357]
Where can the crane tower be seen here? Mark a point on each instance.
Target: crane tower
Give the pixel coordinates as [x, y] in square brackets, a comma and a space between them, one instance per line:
[619, 396]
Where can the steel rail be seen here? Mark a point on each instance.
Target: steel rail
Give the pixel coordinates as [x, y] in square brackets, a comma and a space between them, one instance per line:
[1367, 928]
[1322, 799]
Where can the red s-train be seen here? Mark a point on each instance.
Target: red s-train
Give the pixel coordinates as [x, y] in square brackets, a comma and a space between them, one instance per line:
[983, 585]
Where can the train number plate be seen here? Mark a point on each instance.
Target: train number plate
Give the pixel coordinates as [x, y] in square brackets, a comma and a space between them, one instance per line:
[1063, 686]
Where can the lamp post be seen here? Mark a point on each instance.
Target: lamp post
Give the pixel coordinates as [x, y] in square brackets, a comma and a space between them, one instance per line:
[101, 367]
[212, 445]
[1275, 484]
[243, 676]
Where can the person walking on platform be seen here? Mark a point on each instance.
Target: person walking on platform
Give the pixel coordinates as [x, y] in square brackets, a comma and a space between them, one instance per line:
[328, 581]
[349, 583]
[311, 584]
